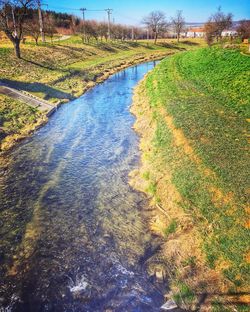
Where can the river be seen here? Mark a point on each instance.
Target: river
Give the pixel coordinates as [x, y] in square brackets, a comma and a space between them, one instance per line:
[73, 232]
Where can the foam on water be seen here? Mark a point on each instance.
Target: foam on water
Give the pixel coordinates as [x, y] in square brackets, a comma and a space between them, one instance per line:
[79, 285]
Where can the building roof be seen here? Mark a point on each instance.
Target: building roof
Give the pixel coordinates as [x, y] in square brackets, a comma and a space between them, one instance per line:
[197, 29]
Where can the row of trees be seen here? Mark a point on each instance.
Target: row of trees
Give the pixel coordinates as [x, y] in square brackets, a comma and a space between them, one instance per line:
[156, 22]
[155, 25]
[32, 28]
[100, 30]
[19, 18]
[216, 24]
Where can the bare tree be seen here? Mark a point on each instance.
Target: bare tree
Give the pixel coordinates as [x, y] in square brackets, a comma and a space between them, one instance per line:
[216, 24]
[120, 32]
[117, 32]
[91, 30]
[12, 17]
[210, 31]
[102, 30]
[137, 33]
[32, 28]
[50, 26]
[178, 23]
[88, 30]
[243, 29]
[221, 21]
[155, 21]
[74, 23]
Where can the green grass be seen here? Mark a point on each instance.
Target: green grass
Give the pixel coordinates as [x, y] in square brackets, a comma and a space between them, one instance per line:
[207, 93]
[146, 175]
[184, 295]
[172, 227]
[152, 187]
[61, 71]
[14, 115]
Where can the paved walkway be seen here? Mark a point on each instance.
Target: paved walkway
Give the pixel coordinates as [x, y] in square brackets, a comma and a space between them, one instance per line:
[64, 37]
[28, 99]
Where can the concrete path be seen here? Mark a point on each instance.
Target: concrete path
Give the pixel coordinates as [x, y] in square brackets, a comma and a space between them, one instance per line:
[64, 37]
[28, 99]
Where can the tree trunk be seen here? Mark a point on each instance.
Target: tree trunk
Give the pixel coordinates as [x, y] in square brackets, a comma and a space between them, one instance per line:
[156, 35]
[17, 48]
[16, 43]
[178, 38]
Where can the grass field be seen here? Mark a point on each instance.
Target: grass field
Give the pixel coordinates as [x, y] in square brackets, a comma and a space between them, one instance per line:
[198, 108]
[62, 71]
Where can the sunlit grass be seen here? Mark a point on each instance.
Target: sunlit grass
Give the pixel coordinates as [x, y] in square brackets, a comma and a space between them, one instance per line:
[62, 70]
[207, 94]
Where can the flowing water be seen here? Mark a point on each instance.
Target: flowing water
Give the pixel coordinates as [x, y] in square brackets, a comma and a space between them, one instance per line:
[72, 230]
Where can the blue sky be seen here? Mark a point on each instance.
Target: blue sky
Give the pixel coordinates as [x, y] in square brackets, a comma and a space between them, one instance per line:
[132, 11]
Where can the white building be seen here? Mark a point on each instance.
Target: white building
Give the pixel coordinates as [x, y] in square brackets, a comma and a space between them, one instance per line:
[229, 32]
[195, 33]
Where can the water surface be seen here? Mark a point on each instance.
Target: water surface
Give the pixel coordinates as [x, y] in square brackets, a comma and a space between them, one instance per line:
[72, 229]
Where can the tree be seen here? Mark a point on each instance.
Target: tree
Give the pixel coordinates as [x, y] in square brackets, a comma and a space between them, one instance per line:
[32, 28]
[102, 30]
[209, 29]
[155, 21]
[243, 29]
[75, 22]
[12, 18]
[137, 33]
[216, 24]
[50, 26]
[222, 21]
[88, 30]
[91, 30]
[178, 23]
[120, 31]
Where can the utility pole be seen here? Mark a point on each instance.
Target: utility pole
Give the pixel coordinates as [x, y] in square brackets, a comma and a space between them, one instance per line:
[109, 12]
[83, 18]
[40, 16]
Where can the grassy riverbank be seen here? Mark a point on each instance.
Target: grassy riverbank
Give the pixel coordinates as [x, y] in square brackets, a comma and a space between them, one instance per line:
[192, 117]
[63, 71]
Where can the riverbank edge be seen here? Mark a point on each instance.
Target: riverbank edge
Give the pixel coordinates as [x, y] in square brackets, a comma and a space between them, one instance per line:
[183, 243]
[12, 140]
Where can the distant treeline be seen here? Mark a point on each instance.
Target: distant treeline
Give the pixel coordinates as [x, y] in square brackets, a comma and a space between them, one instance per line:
[61, 20]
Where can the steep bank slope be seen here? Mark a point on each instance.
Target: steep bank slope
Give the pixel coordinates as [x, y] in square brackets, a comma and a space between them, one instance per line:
[192, 117]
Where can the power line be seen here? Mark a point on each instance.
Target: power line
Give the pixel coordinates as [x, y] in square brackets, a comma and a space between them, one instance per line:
[64, 8]
[74, 9]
